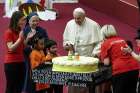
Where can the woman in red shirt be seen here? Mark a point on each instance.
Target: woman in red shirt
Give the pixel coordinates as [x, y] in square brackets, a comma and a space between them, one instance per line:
[124, 66]
[14, 66]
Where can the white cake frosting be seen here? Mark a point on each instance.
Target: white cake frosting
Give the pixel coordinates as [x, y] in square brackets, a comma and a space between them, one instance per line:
[82, 61]
[84, 64]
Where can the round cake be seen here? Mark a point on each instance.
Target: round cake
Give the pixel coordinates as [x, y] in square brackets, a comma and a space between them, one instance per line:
[82, 65]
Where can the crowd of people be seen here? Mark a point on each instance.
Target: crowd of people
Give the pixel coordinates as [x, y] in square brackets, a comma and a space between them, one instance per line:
[28, 46]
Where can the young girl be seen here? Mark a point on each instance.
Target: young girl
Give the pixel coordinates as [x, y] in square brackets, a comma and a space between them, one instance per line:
[51, 53]
[37, 57]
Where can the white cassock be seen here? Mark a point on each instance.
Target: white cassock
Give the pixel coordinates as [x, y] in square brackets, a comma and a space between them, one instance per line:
[85, 38]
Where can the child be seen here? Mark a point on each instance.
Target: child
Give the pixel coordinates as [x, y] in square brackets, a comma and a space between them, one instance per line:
[37, 57]
[51, 50]
[51, 53]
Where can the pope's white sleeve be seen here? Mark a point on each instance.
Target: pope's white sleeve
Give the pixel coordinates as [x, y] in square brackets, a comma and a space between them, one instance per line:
[97, 49]
[66, 37]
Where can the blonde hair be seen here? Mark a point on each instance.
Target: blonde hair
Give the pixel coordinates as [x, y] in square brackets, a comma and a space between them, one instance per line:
[108, 31]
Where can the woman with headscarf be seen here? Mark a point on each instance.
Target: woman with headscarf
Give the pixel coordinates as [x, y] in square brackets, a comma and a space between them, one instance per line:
[32, 28]
[14, 59]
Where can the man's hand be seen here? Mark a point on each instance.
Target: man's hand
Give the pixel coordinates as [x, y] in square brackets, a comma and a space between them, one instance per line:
[69, 47]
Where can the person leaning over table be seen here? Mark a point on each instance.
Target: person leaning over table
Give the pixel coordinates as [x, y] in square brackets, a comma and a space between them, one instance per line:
[82, 35]
[124, 66]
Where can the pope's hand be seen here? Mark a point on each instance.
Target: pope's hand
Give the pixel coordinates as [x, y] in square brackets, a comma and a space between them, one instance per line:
[69, 47]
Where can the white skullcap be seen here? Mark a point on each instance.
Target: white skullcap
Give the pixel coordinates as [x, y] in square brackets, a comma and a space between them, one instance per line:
[79, 11]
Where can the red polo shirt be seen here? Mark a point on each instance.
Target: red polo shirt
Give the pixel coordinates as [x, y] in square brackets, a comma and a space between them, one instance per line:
[121, 62]
[13, 56]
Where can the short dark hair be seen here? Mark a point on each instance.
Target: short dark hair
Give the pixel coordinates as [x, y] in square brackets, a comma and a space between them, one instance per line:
[14, 20]
[138, 34]
[129, 43]
[49, 43]
[36, 38]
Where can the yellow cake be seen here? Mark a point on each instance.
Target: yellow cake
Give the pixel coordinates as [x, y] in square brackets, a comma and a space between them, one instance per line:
[84, 64]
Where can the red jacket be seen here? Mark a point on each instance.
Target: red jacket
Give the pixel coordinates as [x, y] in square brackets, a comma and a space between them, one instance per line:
[121, 62]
